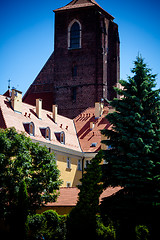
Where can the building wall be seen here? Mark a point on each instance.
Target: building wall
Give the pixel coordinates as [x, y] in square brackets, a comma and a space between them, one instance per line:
[97, 64]
[96, 61]
[70, 176]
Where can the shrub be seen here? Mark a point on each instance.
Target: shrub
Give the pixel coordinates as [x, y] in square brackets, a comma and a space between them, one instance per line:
[142, 232]
[103, 232]
[35, 225]
[49, 224]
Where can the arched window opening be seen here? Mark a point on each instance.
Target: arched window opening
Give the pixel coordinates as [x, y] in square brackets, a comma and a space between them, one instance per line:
[47, 133]
[75, 35]
[62, 138]
[31, 129]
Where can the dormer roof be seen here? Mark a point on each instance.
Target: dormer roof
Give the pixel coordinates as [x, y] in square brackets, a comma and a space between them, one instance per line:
[21, 122]
[74, 4]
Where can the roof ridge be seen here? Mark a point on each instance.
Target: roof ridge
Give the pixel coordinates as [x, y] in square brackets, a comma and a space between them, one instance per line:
[83, 3]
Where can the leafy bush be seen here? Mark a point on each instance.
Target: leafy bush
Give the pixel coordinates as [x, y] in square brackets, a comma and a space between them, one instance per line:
[49, 224]
[142, 232]
[103, 232]
[35, 225]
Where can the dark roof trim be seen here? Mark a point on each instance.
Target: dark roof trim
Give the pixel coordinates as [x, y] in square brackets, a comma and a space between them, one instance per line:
[79, 6]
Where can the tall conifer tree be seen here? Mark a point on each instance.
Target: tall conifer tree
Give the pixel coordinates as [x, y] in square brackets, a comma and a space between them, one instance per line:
[133, 161]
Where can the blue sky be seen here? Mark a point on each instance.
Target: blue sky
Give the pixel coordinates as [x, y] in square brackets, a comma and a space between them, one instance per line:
[27, 36]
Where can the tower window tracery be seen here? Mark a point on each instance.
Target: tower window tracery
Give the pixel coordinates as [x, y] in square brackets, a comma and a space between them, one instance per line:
[74, 35]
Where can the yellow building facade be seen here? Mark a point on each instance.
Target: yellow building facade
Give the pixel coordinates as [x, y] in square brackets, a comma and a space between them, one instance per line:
[71, 163]
[49, 129]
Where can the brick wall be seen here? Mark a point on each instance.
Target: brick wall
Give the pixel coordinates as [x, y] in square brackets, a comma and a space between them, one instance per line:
[97, 63]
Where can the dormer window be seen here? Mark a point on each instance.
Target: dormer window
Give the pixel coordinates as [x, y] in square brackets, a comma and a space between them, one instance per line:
[62, 138]
[29, 128]
[46, 133]
[74, 35]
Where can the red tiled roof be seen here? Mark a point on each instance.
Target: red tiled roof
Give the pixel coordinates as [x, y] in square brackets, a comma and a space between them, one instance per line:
[14, 119]
[69, 196]
[86, 136]
[2, 122]
[81, 4]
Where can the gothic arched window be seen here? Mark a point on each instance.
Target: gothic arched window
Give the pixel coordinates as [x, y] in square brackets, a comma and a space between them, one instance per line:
[74, 33]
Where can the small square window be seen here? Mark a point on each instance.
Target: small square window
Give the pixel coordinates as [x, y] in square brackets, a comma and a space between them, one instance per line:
[93, 144]
[68, 184]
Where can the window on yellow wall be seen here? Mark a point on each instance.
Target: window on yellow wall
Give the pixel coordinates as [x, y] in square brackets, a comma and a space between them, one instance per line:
[68, 163]
[79, 165]
[87, 162]
[68, 184]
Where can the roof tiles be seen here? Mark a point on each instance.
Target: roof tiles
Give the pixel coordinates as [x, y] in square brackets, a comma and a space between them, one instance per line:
[69, 196]
[17, 120]
[90, 139]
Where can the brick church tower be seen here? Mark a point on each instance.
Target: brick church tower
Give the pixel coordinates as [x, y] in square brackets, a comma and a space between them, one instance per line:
[84, 66]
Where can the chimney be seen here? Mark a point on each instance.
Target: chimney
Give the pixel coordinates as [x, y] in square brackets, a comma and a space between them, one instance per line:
[39, 108]
[16, 100]
[55, 111]
[99, 109]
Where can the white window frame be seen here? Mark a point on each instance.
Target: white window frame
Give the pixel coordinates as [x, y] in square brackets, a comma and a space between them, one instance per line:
[79, 165]
[68, 185]
[87, 162]
[69, 34]
[68, 163]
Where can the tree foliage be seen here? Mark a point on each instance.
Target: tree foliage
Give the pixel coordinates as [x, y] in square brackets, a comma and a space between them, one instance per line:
[133, 161]
[48, 224]
[22, 161]
[83, 216]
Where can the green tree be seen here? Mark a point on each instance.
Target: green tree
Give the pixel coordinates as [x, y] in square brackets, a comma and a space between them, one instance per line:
[24, 164]
[22, 210]
[133, 161]
[49, 224]
[82, 219]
